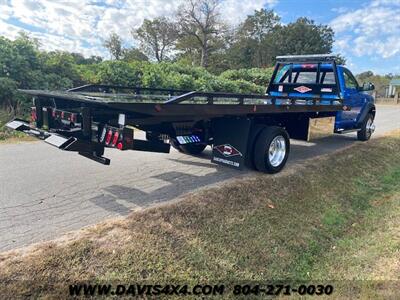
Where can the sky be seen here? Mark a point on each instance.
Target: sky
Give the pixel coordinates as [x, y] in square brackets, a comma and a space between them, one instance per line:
[367, 32]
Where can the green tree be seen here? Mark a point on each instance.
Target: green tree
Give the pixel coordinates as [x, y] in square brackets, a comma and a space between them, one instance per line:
[251, 47]
[133, 54]
[118, 73]
[157, 37]
[301, 37]
[19, 58]
[201, 28]
[114, 46]
[79, 59]
[8, 89]
[19, 68]
[365, 75]
[58, 71]
[62, 64]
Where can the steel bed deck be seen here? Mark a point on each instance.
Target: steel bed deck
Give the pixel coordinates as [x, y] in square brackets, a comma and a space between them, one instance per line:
[193, 103]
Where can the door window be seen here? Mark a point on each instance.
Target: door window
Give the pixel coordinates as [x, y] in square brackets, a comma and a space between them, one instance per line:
[349, 80]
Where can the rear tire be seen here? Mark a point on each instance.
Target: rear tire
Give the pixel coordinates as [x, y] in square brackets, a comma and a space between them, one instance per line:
[271, 149]
[367, 128]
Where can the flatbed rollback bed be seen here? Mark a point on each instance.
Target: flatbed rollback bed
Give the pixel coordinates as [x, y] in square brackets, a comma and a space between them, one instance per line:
[243, 129]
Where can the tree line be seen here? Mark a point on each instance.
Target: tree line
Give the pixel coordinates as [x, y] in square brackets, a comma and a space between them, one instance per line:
[194, 50]
[198, 35]
[24, 66]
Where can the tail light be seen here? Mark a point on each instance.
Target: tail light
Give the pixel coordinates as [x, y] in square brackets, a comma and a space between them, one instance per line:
[33, 114]
[108, 137]
[120, 138]
[73, 118]
[53, 113]
[115, 139]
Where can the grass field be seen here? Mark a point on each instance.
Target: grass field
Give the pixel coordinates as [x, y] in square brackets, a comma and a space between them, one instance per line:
[334, 220]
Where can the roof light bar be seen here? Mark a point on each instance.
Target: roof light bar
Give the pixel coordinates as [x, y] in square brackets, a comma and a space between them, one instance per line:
[304, 58]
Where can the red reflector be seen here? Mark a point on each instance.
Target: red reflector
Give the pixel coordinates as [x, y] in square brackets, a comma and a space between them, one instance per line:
[33, 114]
[108, 138]
[120, 146]
[115, 139]
[157, 107]
[308, 66]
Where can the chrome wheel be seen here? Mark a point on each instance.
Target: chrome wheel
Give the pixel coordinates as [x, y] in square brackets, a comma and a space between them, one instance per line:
[370, 126]
[277, 151]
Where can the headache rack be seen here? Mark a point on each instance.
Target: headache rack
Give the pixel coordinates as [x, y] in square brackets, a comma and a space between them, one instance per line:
[312, 63]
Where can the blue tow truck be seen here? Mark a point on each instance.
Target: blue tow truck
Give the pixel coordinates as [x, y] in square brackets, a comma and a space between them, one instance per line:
[242, 129]
[359, 118]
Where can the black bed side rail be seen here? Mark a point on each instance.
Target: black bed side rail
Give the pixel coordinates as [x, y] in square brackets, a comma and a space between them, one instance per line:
[215, 96]
[104, 88]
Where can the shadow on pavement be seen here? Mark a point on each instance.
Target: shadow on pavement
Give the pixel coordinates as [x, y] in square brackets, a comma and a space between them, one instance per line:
[181, 183]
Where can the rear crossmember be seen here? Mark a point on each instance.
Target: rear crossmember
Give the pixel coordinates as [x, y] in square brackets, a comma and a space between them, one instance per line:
[89, 150]
[89, 143]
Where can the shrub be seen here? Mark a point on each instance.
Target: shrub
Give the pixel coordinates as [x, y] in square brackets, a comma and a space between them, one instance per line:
[258, 76]
[118, 73]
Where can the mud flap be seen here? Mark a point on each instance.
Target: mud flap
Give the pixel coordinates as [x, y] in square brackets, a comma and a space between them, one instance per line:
[309, 129]
[230, 141]
[320, 128]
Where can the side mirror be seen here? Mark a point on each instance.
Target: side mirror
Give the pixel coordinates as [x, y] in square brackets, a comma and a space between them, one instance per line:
[368, 86]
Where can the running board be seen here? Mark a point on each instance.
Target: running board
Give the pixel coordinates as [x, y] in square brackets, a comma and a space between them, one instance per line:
[347, 131]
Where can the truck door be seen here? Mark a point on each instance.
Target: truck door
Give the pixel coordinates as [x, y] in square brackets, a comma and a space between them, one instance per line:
[352, 97]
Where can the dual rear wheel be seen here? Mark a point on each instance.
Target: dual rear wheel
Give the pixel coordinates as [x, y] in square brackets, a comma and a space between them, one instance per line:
[269, 153]
[271, 149]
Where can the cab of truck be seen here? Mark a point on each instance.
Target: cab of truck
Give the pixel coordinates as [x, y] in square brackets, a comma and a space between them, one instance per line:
[318, 76]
